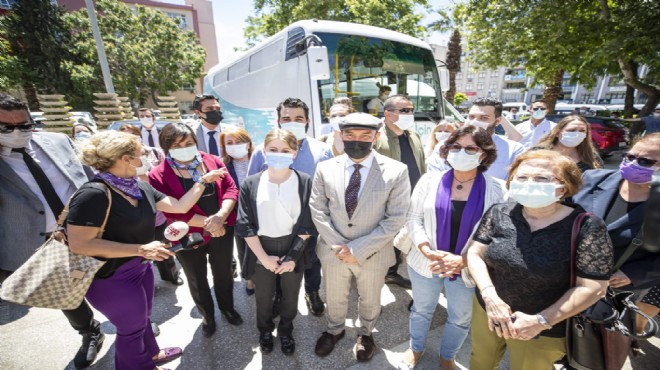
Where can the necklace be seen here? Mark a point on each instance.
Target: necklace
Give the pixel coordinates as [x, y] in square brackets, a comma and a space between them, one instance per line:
[460, 185]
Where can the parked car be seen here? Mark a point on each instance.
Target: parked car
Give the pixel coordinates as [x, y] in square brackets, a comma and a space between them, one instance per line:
[117, 124]
[608, 134]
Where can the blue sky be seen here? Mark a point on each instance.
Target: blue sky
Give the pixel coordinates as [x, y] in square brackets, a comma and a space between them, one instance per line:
[230, 18]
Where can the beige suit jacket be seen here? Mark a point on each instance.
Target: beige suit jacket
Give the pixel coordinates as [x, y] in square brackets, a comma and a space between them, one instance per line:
[378, 217]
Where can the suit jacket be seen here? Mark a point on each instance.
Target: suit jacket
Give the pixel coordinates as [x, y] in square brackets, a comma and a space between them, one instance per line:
[378, 217]
[22, 215]
[599, 188]
[203, 139]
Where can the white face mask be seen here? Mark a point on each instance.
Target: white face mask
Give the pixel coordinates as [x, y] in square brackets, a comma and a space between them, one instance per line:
[480, 124]
[144, 168]
[15, 139]
[297, 129]
[533, 194]
[538, 114]
[462, 161]
[384, 97]
[442, 136]
[186, 154]
[237, 151]
[334, 121]
[405, 121]
[572, 139]
[147, 122]
[83, 135]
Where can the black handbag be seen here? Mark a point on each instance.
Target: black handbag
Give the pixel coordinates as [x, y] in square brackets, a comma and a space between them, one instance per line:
[600, 337]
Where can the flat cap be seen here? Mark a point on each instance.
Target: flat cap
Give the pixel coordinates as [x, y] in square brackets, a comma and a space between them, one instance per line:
[360, 121]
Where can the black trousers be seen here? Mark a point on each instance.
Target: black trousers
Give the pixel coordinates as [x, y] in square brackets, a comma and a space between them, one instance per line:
[265, 281]
[394, 269]
[313, 272]
[220, 254]
[166, 268]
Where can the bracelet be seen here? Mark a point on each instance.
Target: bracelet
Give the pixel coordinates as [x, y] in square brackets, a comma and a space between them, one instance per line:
[201, 181]
[486, 287]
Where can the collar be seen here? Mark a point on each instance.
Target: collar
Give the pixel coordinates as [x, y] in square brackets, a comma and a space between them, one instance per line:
[367, 163]
[206, 131]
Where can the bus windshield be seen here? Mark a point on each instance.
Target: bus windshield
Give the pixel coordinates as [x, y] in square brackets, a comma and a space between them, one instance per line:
[359, 64]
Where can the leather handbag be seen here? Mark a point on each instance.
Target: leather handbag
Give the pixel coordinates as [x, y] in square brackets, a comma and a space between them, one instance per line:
[600, 337]
[54, 277]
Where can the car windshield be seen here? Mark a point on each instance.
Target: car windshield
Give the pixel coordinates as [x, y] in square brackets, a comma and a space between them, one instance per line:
[358, 64]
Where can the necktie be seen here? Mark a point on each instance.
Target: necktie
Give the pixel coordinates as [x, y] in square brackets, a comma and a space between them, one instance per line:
[53, 200]
[352, 190]
[213, 145]
[150, 139]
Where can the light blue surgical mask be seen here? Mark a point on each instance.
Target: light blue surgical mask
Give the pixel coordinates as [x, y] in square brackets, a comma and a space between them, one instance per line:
[279, 161]
[298, 129]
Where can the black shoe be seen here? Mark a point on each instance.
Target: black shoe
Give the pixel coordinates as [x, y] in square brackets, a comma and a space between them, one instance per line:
[266, 342]
[233, 268]
[155, 329]
[177, 282]
[249, 291]
[232, 317]
[314, 303]
[208, 328]
[288, 344]
[277, 302]
[410, 305]
[91, 345]
[398, 280]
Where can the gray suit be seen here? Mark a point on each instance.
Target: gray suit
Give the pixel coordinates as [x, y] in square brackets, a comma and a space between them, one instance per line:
[378, 217]
[203, 140]
[22, 218]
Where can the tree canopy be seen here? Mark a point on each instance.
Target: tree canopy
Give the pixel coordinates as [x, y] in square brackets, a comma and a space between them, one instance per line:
[584, 38]
[274, 15]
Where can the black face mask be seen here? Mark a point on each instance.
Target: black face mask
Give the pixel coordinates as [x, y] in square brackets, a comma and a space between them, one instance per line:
[213, 117]
[357, 149]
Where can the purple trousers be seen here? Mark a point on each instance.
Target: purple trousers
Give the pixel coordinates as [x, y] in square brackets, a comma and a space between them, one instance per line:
[126, 299]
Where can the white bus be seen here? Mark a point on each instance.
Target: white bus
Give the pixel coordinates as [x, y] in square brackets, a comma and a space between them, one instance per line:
[353, 59]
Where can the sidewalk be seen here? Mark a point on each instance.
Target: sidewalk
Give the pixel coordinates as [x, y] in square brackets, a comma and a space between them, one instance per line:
[42, 338]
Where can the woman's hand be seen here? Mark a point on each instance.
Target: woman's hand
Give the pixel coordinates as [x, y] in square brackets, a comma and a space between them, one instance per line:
[215, 225]
[286, 267]
[155, 251]
[448, 264]
[214, 175]
[526, 326]
[499, 314]
[619, 279]
[271, 263]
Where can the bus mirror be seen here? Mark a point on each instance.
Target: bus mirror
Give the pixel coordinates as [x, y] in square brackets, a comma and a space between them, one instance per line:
[444, 79]
[317, 57]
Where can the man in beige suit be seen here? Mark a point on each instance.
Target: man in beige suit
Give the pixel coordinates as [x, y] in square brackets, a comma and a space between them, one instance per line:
[359, 203]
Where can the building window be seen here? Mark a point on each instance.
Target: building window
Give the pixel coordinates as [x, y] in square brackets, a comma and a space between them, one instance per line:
[459, 75]
[587, 98]
[616, 95]
[480, 86]
[482, 74]
[187, 86]
[493, 86]
[494, 73]
[180, 19]
[468, 87]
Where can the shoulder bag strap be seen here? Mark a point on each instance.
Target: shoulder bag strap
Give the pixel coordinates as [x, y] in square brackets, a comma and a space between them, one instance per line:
[637, 242]
[577, 225]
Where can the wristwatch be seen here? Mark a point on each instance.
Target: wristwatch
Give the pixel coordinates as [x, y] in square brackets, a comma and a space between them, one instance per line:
[543, 321]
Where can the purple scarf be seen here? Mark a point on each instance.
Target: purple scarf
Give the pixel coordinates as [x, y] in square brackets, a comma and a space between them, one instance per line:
[471, 214]
[128, 186]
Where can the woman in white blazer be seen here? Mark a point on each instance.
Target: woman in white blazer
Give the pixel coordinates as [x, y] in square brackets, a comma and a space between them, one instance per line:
[446, 208]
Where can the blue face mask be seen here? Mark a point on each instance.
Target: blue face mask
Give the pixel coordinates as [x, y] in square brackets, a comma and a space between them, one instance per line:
[279, 161]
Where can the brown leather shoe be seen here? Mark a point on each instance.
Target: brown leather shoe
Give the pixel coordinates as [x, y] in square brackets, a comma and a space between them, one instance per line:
[364, 348]
[326, 343]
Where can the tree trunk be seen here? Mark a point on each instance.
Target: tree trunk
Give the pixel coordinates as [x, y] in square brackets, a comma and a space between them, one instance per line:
[652, 101]
[449, 95]
[552, 90]
[31, 97]
[628, 102]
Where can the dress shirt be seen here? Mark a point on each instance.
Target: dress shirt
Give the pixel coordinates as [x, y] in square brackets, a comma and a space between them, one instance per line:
[364, 171]
[60, 183]
[278, 206]
[144, 133]
[507, 151]
[310, 153]
[205, 137]
[531, 134]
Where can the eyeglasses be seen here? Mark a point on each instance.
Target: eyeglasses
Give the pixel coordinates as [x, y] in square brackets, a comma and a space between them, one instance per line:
[539, 108]
[642, 161]
[536, 178]
[470, 149]
[25, 127]
[403, 110]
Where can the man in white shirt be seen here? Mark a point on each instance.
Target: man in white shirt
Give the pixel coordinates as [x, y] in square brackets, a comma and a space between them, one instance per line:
[486, 113]
[536, 127]
[148, 130]
[209, 111]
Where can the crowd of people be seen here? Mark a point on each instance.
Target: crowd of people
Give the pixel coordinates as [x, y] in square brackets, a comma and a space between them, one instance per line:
[482, 218]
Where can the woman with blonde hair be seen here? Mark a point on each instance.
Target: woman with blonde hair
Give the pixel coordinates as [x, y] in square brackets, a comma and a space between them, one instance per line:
[123, 288]
[572, 138]
[439, 134]
[275, 220]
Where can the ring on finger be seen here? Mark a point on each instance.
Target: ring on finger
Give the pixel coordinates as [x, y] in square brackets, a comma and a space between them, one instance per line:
[496, 324]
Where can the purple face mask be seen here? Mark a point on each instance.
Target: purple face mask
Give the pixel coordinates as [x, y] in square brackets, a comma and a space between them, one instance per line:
[635, 173]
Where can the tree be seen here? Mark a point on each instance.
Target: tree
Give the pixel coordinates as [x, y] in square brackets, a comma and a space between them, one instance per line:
[274, 15]
[453, 62]
[35, 42]
[459, 98]
[584, 38]
[148, 53]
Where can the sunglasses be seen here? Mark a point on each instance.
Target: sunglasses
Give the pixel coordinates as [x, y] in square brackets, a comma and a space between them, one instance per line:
[26, 127]
[539, 108]
[403, 110]
[642, 161]
[470, 149]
